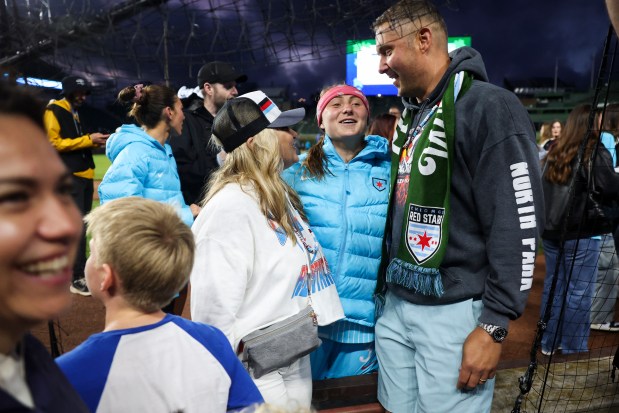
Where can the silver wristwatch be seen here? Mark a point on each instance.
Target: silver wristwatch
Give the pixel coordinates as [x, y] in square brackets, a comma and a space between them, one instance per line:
[497, 333]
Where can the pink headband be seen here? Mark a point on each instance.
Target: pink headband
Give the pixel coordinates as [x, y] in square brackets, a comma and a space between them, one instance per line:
[336, 92]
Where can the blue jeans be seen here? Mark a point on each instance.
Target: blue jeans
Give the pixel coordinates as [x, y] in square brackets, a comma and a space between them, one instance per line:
[607, 288]
[573, 294]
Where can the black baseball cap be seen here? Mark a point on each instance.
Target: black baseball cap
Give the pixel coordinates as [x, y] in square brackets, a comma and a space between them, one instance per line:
[72, 84]
[246, 115]
[219, 72]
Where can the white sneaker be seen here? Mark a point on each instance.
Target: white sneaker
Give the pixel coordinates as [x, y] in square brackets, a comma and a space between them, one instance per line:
[550, 353]
[612, 326]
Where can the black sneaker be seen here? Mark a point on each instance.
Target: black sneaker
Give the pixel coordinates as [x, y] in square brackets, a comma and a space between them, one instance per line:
[79, 287]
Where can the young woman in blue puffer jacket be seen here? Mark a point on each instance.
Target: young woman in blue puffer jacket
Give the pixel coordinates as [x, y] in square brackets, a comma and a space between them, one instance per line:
[142, 161]
[343, 183]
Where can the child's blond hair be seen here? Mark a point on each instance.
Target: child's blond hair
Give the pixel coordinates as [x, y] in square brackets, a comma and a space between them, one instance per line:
[148, 246]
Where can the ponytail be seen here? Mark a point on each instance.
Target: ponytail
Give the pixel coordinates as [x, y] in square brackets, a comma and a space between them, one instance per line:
[315, 164]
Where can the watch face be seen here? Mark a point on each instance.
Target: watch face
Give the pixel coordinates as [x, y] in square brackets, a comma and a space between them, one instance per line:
[499, 334]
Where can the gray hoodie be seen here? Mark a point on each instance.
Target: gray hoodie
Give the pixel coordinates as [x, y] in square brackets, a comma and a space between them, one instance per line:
[496, 198]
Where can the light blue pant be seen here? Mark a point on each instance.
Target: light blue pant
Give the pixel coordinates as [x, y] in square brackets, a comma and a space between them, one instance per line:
[332, 359]
[419, 350]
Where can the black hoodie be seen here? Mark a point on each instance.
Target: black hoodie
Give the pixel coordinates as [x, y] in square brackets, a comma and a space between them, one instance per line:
[496, 199]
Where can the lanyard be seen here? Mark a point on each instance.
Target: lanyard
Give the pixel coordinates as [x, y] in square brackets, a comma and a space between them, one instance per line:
[76, 122]
[408, 147]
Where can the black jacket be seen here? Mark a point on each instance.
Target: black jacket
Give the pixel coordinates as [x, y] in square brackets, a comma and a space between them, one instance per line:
[195, 157]
[77, 160]
[50, 389]
[582, 222]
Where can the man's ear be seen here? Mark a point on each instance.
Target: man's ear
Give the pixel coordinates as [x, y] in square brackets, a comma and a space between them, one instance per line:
[207, 89]
[424, 37]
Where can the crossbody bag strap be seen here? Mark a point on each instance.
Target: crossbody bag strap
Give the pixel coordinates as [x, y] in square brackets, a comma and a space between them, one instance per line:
[310, 274]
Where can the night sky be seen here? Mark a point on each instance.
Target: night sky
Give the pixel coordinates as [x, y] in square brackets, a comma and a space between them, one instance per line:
[518, 39]
[526, 38]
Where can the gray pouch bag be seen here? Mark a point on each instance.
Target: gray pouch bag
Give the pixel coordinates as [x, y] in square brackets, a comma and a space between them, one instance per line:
[280, 344]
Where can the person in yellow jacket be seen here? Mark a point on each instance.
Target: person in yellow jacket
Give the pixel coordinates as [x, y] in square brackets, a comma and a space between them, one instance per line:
[64, 130]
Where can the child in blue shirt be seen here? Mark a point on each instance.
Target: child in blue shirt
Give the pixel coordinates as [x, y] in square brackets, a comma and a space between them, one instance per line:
[145, 360]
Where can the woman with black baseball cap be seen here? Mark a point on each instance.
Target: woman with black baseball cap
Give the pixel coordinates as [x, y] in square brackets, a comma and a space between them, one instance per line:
[254, 245]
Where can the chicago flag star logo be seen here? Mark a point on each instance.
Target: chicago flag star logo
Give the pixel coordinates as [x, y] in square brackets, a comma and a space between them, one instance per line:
[423, 240]
[423, 233]
[380, 184]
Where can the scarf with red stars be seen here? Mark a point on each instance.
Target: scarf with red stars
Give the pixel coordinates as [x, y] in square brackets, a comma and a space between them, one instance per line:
[424, 234]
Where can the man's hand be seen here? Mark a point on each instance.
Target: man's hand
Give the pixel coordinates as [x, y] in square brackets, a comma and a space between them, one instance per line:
[99, 139]
[480, 356]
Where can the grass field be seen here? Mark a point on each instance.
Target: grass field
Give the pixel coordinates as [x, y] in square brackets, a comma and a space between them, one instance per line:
[101, 165]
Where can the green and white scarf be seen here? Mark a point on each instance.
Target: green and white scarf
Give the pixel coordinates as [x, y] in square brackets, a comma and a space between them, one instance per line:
[424, 234]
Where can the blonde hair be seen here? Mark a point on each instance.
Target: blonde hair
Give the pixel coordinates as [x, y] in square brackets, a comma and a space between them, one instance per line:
[148, 246]
[257, 165]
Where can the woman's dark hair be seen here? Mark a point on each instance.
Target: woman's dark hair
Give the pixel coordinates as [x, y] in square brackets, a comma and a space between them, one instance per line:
[148, 107]
[559, 160]
[18, 100]
[383, 125]
[611, 119]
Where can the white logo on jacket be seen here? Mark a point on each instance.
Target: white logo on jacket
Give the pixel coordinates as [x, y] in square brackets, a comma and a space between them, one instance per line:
[526, 216]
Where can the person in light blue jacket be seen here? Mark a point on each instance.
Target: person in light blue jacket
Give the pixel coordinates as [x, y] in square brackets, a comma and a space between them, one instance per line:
[343, 183]
[142, 161]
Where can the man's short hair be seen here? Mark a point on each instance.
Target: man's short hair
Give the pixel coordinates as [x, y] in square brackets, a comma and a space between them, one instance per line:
[148, 246]
[420, 12]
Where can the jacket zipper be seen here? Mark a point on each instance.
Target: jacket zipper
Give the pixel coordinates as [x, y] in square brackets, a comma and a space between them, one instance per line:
[344, 220]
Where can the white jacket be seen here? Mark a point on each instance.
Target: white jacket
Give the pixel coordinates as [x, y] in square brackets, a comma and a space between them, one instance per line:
[247, 274]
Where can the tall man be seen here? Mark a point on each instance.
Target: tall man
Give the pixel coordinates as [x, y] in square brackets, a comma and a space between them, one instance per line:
[465, 214]
[195, 158]
[65, 132]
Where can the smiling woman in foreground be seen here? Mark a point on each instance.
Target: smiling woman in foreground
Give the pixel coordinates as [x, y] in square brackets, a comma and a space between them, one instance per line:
[39, 230]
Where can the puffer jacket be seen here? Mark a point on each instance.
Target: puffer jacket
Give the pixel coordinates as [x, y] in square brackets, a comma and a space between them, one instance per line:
[141, 166]
[347, 210]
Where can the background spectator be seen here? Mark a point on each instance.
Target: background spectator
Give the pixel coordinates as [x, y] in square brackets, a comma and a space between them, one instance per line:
[64, 130]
